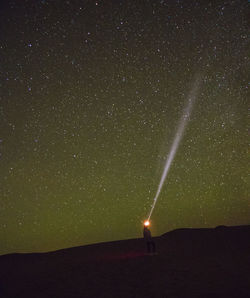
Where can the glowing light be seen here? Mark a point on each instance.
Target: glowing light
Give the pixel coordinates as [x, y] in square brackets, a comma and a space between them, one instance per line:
[146, 223]
[179, 134]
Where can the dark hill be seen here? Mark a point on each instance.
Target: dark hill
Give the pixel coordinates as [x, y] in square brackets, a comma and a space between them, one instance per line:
[190, 263]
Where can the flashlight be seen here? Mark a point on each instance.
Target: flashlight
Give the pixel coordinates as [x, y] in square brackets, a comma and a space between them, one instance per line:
[146, 223]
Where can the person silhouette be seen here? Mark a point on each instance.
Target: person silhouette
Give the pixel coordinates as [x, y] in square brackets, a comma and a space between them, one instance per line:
[150, 244]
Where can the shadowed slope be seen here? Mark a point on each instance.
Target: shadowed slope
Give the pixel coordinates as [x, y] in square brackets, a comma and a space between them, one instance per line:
[190, 263]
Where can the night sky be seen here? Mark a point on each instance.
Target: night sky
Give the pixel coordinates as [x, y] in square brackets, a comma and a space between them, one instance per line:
[91, 93]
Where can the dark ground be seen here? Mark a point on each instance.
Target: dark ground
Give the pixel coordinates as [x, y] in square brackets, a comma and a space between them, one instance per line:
[190, 263]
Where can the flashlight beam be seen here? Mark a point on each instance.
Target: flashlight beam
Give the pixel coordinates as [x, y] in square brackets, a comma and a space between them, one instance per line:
[179, 134]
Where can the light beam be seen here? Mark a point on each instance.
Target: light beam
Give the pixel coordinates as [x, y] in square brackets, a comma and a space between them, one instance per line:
[179, 134]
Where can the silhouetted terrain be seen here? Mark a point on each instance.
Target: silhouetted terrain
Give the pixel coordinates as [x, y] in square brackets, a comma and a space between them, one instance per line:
[190, 263]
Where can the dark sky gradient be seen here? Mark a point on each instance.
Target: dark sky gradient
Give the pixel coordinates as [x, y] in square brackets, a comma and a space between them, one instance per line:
[91, 93]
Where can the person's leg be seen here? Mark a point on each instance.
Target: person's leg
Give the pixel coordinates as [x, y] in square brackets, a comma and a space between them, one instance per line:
[153, 246]
[150, 244]
[148, 247]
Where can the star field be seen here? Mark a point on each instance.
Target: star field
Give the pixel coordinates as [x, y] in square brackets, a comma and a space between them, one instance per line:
[91, 93]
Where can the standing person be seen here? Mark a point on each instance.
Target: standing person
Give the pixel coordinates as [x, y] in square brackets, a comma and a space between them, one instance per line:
[148, 238]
